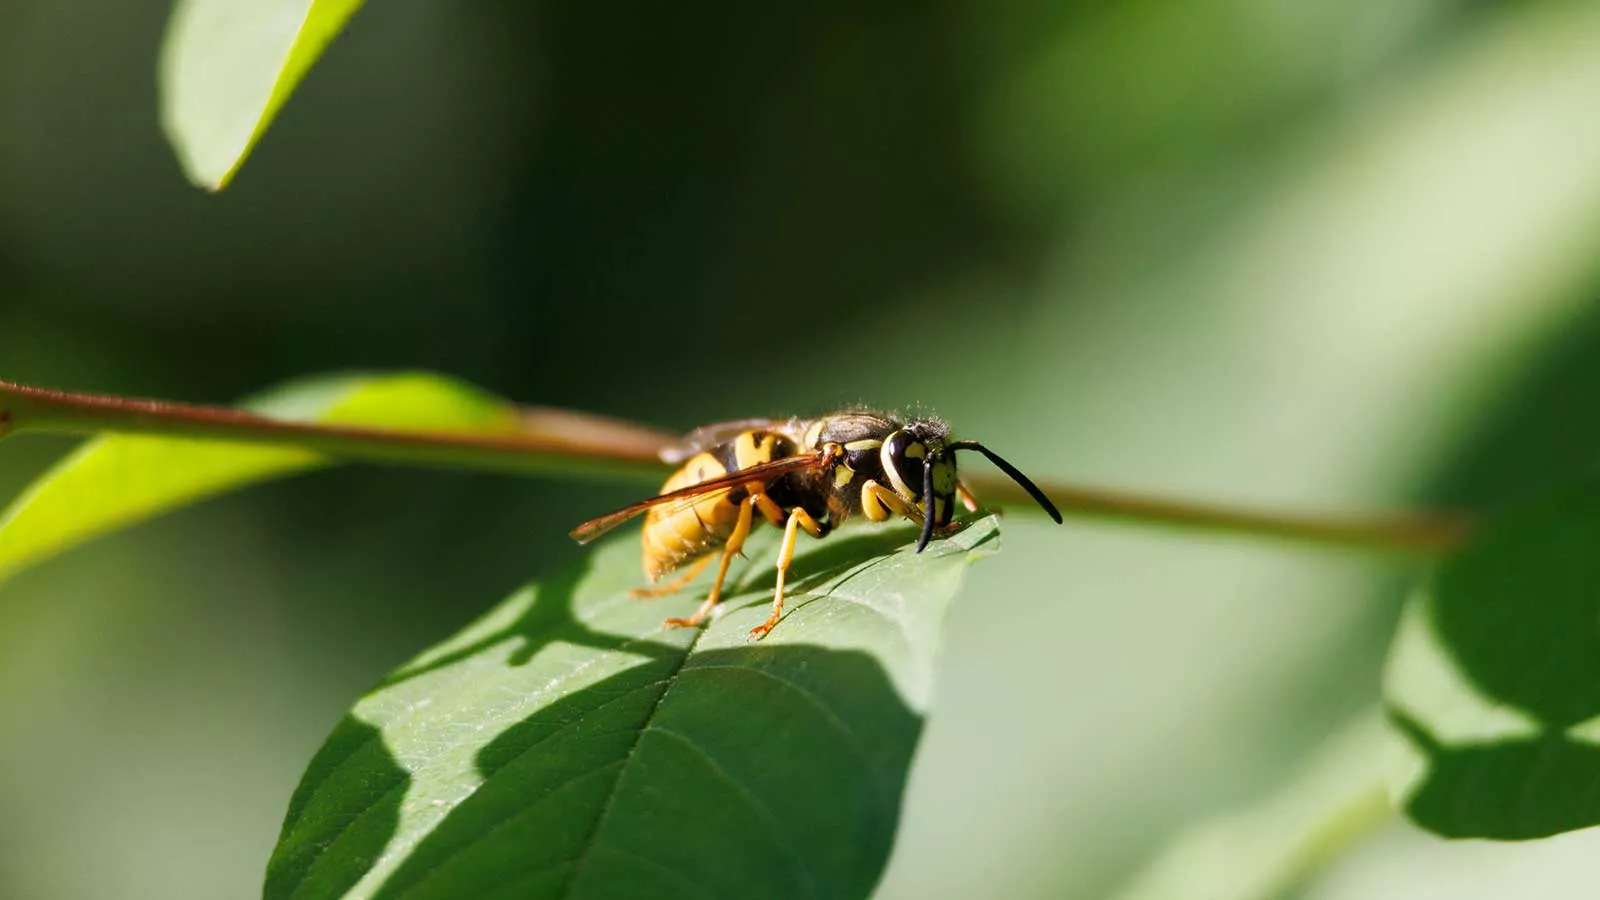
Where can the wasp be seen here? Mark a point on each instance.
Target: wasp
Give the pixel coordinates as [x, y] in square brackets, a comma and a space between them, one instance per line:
[799, 475]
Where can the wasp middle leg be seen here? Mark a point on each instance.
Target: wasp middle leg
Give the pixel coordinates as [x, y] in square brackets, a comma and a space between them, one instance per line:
[798, 518]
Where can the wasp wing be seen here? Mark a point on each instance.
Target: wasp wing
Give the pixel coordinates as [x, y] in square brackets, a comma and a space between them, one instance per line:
[763, 473]
[707, 436]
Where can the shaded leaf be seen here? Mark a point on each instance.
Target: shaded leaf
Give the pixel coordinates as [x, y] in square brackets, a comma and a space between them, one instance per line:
[227, 66]
[1493, 684]
[565, 745]
[116, 480]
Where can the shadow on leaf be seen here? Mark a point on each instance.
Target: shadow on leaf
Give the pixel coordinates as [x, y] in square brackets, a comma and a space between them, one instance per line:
[750, 772]
[564, 745]
[549, 618]
[331, 838]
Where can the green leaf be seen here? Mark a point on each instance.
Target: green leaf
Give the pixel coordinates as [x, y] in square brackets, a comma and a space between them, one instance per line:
[1493, 683]
[227, 66]
[116, 480]
[565, 745]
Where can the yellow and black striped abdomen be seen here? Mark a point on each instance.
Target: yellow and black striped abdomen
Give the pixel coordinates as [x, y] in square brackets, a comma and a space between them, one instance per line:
[677, 534]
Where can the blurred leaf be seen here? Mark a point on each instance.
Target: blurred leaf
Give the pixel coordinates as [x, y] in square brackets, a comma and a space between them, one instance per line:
[1261, 851]
[227, 66]
[565, 745]
[116, 480]
[1493, 685]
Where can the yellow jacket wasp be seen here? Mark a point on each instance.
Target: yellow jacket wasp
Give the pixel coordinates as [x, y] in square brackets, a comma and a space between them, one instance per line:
[809, 474]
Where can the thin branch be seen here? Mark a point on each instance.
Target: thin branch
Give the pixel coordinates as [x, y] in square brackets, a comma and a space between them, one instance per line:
[566, 442]
[547, 440]
[1424, 533]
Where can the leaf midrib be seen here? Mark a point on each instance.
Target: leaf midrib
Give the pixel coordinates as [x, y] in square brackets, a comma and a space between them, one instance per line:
[581, 865]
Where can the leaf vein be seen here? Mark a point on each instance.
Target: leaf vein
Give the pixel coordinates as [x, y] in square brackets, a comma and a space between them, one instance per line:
[676, 876]
[611, 798]
[762, 809]
[529, 749]
[831, 717]
[433, 871]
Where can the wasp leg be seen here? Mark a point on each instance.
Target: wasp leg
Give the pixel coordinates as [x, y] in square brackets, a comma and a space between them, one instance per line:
[769, 507]
[967, 500]
[741, 530]
[798, 518]
[677, 584]
[878, 502]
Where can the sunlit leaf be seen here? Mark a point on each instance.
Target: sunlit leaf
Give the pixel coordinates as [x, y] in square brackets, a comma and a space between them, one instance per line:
[566, 746]
[227, 67]
[115, 480]
[1493, 685]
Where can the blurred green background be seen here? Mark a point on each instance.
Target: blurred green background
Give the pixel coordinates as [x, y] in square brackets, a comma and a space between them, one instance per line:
[1312, 254]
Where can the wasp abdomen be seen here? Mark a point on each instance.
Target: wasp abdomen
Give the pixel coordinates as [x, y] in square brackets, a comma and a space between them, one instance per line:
[675, 536]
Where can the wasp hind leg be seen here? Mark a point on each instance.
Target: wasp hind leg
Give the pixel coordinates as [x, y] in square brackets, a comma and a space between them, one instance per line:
[798, 518]
[675, 585]
[741, 530]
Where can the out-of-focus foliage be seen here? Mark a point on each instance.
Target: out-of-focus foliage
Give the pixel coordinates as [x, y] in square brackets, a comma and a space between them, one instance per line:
[1264, 850]
[117, 480]
[1321, 254]
[1492, 689]
[228, 66]
[564, 746]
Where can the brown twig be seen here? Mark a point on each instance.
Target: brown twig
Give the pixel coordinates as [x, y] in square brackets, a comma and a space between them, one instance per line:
[554, 440]
[1425, 533]
[544, 439]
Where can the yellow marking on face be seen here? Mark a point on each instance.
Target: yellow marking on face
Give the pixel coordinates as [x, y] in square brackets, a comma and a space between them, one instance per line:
[892, 472]
[944, 476]
[916, 451]
[843, 475]
[864, 444]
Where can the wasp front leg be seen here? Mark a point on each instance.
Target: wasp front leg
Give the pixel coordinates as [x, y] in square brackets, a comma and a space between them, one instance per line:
[967, 500]
[879, 503]
[798, 518]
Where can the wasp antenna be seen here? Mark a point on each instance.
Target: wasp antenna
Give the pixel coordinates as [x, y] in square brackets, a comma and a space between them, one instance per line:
[927, 503]
[1015, 475]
